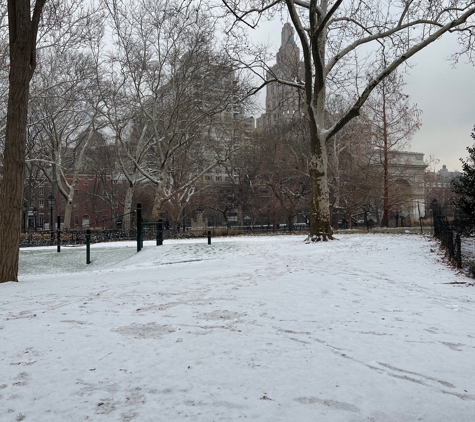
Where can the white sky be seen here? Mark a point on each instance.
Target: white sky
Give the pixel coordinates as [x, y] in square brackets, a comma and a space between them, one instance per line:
[444, 94]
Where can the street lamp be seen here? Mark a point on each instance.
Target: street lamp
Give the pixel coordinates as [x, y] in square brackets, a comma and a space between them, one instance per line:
[35, 214]
[25, 213]
[51, 202]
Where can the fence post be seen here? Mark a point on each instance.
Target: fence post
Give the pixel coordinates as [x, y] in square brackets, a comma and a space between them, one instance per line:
[59, 234]
[209, 237]
[420, 218]
[458, 250]
[88, 246]
[160, 232]
[139, 227]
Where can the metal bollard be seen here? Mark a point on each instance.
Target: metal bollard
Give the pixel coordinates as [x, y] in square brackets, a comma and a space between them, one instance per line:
[59, 234]
[209, 237]
[88, 246]
[139, 227]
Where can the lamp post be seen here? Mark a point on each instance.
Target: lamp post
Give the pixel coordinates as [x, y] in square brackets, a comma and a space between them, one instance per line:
[25, 213]
[51, 202]
[35, 214]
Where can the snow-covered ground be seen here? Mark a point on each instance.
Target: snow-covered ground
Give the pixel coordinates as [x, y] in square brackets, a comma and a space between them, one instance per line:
[365, 328]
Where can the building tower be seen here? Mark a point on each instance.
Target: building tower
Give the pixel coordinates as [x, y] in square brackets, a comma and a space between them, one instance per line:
[283, 101]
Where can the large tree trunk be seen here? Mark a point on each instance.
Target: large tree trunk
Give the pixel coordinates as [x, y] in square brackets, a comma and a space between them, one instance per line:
[157, 202]
[320, 225]
[67, 214]
[385, 220]
[11, 198]
[129, 195]
[22, 37]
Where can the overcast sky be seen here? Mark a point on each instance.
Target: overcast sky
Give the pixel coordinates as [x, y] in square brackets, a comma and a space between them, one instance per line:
[445, 95]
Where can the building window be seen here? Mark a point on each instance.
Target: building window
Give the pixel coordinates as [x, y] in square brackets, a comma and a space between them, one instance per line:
[219, 178]
[86, 181]
[76, 220]
[85, 220]
[42, 203]
[42, 190]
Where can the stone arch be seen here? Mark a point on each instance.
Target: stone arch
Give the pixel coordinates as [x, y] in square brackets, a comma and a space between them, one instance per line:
[403, 197]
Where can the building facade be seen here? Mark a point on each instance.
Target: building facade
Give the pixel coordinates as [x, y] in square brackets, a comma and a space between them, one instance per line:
[283, 102]
[407, 170]
[439, 196]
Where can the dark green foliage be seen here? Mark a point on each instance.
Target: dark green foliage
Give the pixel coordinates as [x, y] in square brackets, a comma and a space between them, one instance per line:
[464, 189]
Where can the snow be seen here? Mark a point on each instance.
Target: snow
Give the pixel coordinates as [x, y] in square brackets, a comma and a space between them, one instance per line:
[364, 328]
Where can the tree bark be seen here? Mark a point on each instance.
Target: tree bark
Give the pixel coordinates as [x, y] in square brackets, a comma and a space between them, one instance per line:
[157, 202]
[320, 227]
[11, 199]
[129, 195]
[22, 32]
[68, 210]
[385, 220]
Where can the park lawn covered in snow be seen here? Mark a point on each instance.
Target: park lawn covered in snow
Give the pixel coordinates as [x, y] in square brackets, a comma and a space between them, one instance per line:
[364, 328]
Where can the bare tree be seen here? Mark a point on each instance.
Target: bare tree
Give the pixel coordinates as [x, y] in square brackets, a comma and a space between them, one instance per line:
[246, 189]
[393, 121]
[174, 81]
[31, 28]
[284, 168]
[4, 67]
[61, 105]
[342, 43]
[23, 29]
[359, 182]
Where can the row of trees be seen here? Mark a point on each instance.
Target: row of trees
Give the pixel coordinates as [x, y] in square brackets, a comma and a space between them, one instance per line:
[167, 102]
[149, 76]
[349, 49]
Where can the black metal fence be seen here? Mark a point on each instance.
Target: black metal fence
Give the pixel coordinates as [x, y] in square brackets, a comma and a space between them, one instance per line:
[459, 249]
[75, 237]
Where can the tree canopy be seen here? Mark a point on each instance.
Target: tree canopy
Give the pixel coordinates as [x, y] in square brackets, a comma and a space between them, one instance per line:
[342, 44]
